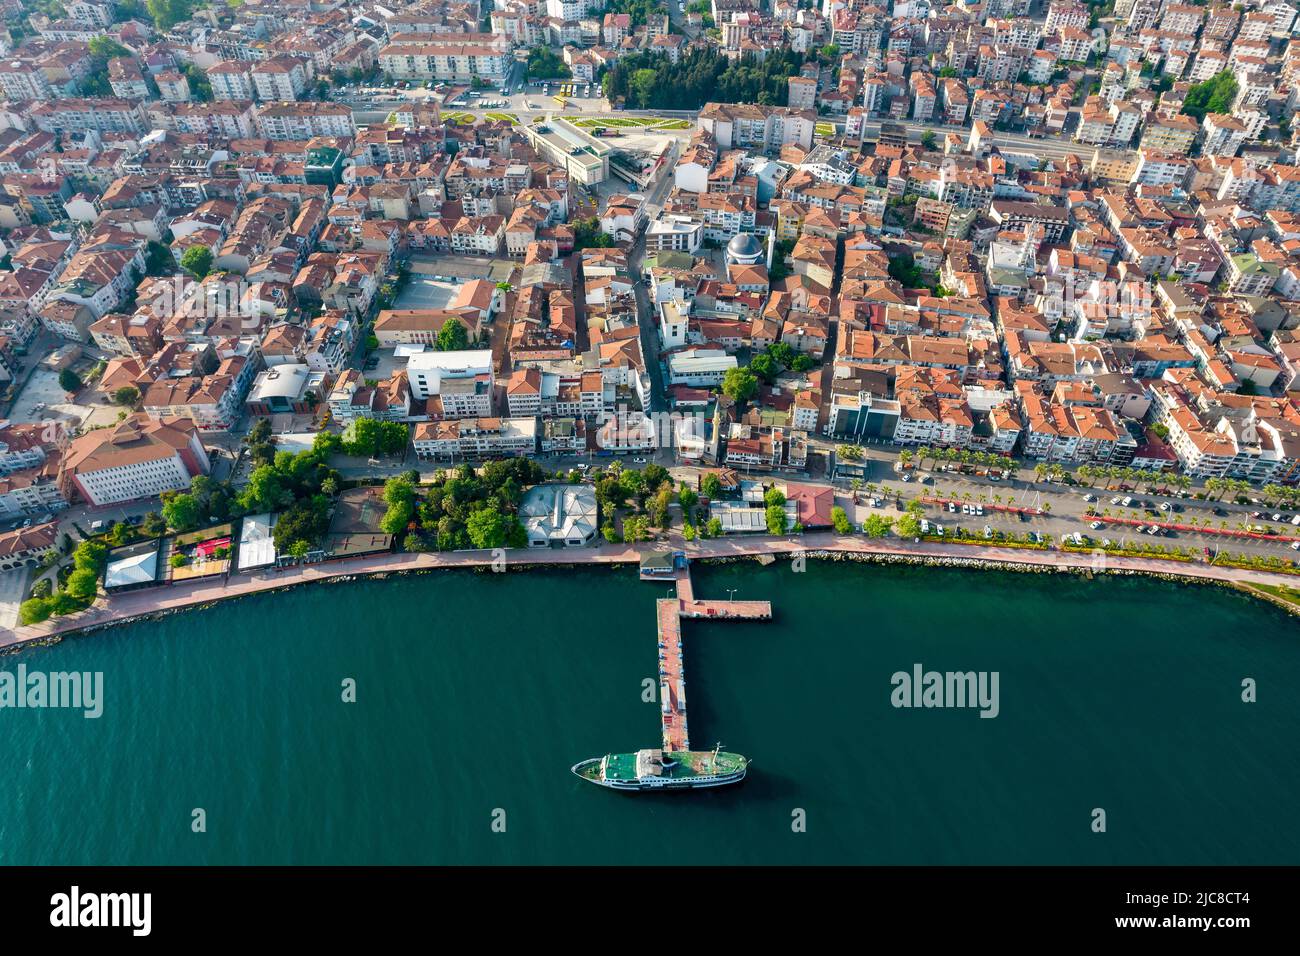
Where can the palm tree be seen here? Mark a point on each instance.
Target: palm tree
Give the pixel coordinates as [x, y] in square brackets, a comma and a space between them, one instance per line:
[922, 453]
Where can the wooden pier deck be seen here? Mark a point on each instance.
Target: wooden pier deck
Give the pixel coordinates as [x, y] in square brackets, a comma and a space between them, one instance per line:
[672, 671]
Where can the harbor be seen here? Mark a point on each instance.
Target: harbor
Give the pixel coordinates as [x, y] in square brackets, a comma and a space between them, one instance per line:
[675, 766]
[669, 613]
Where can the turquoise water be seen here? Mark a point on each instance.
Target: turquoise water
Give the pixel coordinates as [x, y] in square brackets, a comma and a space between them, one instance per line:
[476, 692]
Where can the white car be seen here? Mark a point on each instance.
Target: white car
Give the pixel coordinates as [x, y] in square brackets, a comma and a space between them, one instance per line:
[1095, 526]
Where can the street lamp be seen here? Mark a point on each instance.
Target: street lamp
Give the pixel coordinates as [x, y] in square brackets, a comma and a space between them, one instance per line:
[732, 593]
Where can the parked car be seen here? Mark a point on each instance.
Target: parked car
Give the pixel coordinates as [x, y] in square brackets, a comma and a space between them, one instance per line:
[1095, 526]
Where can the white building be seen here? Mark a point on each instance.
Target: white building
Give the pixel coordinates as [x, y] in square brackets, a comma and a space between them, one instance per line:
[432, 373]
[137, 458]
[699, 368]
[559, 515]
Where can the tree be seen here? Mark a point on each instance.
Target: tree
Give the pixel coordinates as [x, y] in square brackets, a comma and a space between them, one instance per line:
[167, 13]
[70, 381]
[635, 529]
[774, 496]
[393, 437]
[714, 528]
[545, 64]
[35, 610]
[739, 384]
[700, 76]
[775, 516]
[711, 485]
[83, 584]
[587, 234]
[687, 498]
[453, 336]
[488, 529]
[909, 525]
[1215, 95]
[877, 526]
[197, 260]
[158, 260]
[264, 491]
[928, 140]
[840, 520]
[182, 513]
[397, 517]
[904, 269]
[153, 525]
[106, 48]
[764, 366]
[127, 395]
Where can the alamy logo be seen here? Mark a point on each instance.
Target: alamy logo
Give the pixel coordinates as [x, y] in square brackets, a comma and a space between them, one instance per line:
[922, 688]
[77, 690]
[214, 298]
[74, 908]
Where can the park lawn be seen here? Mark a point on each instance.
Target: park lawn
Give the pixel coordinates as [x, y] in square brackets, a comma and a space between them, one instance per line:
[1290, 595]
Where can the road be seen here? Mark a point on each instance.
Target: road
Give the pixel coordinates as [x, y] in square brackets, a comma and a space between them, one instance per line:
[1066, 508]
[536, 104]
[645, 308]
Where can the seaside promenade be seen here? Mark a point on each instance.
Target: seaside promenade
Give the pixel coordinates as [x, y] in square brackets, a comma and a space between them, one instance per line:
[135, 604]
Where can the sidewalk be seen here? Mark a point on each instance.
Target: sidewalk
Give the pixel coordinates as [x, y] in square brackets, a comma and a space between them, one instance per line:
[135, 604]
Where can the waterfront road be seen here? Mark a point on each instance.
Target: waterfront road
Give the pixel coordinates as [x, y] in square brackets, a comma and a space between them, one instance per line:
[134, 604]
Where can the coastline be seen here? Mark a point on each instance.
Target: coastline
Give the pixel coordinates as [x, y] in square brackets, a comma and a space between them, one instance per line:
[156, 602]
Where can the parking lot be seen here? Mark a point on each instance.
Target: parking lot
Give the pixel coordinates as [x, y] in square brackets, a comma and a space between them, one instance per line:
[442, 268]
[426, 292]
[44, 400]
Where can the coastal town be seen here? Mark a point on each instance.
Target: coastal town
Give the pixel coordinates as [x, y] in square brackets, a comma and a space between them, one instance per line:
[324, 288]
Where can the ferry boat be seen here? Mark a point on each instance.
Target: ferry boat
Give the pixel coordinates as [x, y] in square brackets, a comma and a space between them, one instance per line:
[664, 770]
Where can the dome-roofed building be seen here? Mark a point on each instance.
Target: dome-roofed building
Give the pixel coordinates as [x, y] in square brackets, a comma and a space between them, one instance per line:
[744, 249]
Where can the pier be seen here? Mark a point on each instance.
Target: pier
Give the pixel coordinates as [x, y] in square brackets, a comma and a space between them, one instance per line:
[669, 613]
